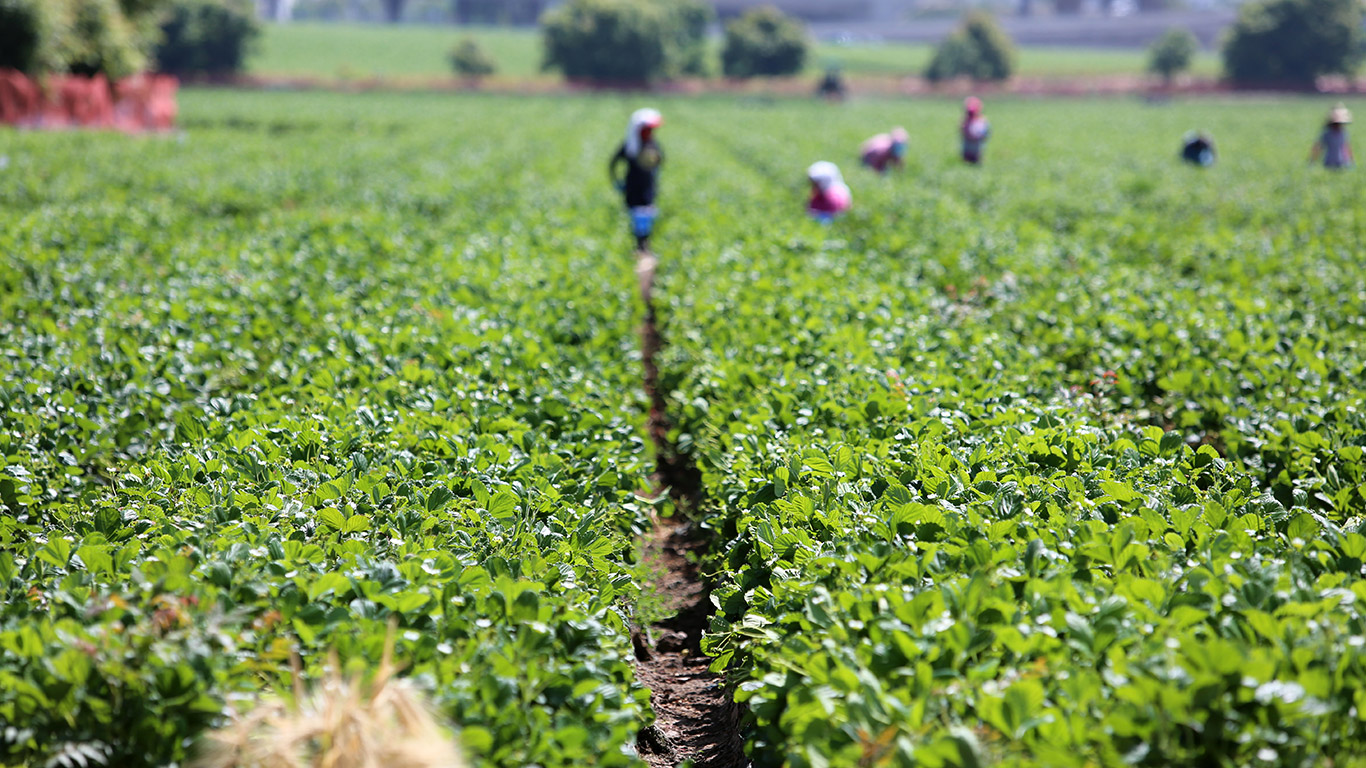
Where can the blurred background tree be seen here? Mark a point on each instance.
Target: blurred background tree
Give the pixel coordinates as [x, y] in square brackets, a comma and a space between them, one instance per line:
[120, 37]
[691, 19]
[77, 36]
[978, 49]
[470, 60]
[1173, 53]
[764, 41]
[206, 37]
[25, 28]
[1293, 42]
[625, 40]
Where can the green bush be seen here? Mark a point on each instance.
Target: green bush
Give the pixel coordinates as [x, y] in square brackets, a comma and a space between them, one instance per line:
[97, 36]
[470, 60]
[80, 36]
[1293, 42]
[625, 40]
[22, 31]
[689, 43]
[1172, 53]
[979, 49]
[764, 41]
[209, 37]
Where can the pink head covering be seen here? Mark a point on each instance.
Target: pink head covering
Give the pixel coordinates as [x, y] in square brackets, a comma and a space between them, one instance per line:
[973, 105]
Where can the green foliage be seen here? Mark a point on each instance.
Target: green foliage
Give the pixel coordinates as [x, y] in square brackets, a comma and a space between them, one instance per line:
[206, 37]
[689, 27]
[275, 395]
[979, 49]
[1293, 42]
[468, 59]
[98, 37]
[78, 36]
[764, 42]
[23, 26]
[625, 40]
[1172, 53]
[1064, 466]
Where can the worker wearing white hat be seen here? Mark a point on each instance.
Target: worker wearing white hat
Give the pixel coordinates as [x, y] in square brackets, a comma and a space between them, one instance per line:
[1332, 143]
[830, 196]
[641, 155]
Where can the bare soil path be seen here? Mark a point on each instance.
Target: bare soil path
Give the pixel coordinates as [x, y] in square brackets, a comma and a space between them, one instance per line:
[696, 720]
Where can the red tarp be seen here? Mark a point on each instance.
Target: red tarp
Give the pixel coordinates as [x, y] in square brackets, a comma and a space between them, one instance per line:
[138, 103]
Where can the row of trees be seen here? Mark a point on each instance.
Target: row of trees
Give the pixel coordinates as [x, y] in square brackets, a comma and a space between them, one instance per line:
[1280, 42]
[1289, 42]
[1273, 42]
[120, 37]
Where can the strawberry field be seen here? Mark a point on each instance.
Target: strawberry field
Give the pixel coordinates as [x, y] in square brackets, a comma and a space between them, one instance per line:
[1060, 461]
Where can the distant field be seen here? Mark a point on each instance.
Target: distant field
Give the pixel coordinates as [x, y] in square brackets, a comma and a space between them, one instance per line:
[354, 50]
[362, 51]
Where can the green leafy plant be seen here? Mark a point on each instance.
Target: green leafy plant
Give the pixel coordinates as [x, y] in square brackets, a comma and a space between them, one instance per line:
[1061, 466]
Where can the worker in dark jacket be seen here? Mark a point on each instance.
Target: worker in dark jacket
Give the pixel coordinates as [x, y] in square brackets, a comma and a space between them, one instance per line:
[642, 157]
[1198, 149]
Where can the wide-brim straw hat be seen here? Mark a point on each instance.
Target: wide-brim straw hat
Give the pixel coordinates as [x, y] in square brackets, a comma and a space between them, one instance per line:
[1339, 115]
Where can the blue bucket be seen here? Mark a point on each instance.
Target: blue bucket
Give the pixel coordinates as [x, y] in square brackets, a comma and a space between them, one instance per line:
[643, 221]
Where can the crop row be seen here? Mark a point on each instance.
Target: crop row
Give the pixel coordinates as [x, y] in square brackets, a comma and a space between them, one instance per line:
[1061, 465]
[261, 398]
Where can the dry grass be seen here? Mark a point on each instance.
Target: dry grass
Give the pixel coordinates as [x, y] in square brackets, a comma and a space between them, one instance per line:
[341, 723]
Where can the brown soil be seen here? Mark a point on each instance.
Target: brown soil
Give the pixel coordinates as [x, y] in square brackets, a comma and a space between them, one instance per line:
[696, 719]
[673, 471]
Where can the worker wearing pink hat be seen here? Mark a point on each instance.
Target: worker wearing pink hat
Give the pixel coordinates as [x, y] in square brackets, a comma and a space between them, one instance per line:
[975, 130]
[885, 150]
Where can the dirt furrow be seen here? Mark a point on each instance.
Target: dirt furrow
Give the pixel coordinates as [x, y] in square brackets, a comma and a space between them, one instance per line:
[696, 720]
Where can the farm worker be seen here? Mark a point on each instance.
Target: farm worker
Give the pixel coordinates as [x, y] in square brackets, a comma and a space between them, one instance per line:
[832, 85]
[830, 196]
[1198, 149]
[885, 149]
[642, 157]
[975, 130]
[1332, 143]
